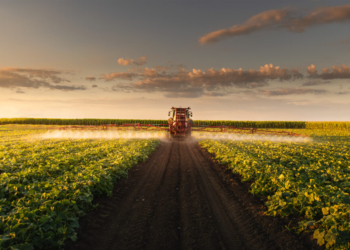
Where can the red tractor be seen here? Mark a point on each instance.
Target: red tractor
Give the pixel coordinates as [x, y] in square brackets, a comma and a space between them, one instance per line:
[180, 123]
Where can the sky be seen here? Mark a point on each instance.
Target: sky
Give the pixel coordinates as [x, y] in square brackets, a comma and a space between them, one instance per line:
[227, 60]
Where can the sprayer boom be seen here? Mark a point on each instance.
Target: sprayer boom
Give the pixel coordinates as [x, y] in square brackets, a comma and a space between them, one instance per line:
[180, 125]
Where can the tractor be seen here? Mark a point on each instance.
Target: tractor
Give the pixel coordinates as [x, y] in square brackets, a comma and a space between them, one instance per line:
[180, 123]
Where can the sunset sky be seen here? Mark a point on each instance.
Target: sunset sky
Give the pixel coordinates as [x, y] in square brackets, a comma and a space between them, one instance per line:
[227, 60]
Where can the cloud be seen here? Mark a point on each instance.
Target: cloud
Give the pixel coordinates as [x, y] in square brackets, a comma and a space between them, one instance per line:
[195, 83]
[68, 88]
[336, 72]
[260, 21]
[19, 91]
[342, 93]
[321, 15]
[124, 62]
[90, 78]
[150, 72]
[161, 68]
[94, 86]
[346, 41]
[10, 79]
[47, 74]
[290, 91]
[139, 62]
[315, 82]
[121, 75]
[312, 70]
[123, 88]
[34, 78]
[289, 19]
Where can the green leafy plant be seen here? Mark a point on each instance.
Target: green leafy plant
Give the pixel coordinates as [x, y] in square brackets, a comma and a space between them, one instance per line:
[309, 179]
[48, 184]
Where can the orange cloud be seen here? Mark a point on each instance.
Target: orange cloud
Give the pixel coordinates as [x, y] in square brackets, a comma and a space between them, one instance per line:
[124, 62]
[312, 69]
[281, 19]
[139, 62]
[257, 22]
[211, 82]
[320, 15]
[121, 75]
[150, 72]
[336, 72]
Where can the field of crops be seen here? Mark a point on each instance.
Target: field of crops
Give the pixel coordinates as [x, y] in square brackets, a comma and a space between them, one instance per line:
[46, 185]
[239, 124]
[309, 179]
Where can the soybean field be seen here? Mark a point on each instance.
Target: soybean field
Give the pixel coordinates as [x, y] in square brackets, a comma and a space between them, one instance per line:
[157, 193]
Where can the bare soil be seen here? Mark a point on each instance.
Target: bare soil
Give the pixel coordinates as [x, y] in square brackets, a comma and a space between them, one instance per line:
[180, 198]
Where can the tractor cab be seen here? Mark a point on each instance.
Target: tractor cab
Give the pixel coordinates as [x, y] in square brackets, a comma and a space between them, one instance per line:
[180, 122]
[180, 113]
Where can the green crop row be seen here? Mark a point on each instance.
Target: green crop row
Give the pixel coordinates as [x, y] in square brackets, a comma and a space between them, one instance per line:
[308, 179]
[239, 124]
[46, 185]
[279, 124]
[328, 125]
[49, 121]
[254, 124]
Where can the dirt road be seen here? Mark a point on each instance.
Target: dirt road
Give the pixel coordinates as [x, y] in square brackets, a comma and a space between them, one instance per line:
[178, 199]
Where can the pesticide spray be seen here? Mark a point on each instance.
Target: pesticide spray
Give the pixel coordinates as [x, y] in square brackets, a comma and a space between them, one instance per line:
[250, 137]
[109, 135]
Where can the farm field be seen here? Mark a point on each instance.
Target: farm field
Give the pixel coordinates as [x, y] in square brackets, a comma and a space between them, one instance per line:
[246, 124]
[46, 185]
[310, 179]
[175, 125]
[178, 197]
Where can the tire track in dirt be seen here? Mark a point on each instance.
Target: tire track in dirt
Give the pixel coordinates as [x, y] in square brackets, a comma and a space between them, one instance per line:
[174, 200]
[129, 233]
[197, 225]
[230, 214]
[163, 226]
[228, 232]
